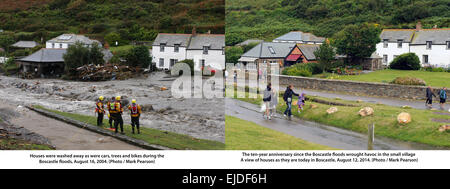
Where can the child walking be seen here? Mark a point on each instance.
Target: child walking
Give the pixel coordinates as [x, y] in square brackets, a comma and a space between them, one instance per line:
[301, 102]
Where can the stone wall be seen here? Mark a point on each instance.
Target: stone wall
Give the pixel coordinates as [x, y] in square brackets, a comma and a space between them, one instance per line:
[357, 87]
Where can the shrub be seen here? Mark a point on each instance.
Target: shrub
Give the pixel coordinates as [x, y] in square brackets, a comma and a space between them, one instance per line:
[303, 69]
[189, 62]
[407, 61]
[138, 57]
[408, 81]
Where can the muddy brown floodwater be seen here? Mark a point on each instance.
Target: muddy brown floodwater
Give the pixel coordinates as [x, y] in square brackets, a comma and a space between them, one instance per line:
[198, 117]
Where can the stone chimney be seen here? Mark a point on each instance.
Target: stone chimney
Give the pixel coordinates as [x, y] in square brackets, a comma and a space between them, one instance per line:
[418, 26]
[194, 31]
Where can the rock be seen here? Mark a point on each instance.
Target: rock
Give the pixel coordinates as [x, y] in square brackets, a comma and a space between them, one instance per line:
[359, 101]
[404, 118]
[147, 107]
[337, 98]
[366, 111]
[163, 88]
[332, 110]
[444, 128]
[313, 106]
[406, 107]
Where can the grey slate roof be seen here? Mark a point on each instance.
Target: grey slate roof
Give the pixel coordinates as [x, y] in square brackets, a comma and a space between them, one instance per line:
[247, 42]
[300, 36]
[437, 36]
[46, 55]
[262, 50]
[56, 55]
[392, 35]
[214, 41]
[73, 38]
[170, 39]
[308, 50]
[25, 44]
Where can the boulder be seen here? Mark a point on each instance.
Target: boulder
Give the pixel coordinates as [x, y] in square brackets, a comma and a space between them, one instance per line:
[147, 107]
[332, 110]
[163, 88]
[312, 106]
[444, 128]
[406, 107]
[366, 111]
[404, 118]
[359, 101]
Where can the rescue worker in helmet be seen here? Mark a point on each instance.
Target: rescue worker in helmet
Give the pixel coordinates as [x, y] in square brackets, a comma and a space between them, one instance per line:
[109, 112]
[116, 113]
[100, 110]
[135, 114]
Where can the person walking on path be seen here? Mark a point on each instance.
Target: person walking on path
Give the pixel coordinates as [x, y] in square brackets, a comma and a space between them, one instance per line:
[429, 96]
[100, 110]
[301, 102]
[287, 97]
[273, 103]
[442, 97]
[135, 114]
[267, 97]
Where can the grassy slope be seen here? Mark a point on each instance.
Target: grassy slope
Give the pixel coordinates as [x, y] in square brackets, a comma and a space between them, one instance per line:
[421, 129]
[153, 136]
[435, 79]
[246, 135]
[14, 144]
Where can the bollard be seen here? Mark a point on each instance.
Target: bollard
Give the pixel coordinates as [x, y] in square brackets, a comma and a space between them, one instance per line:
[371, 136]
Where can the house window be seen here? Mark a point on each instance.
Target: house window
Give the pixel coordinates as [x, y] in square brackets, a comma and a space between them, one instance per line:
[161, 62]
[161, 47]
[173, 62]
[223, 49]
[399, 43]
[205, 49]
[385, 58]
[60, 45]
[271, 50]
[448, 45]
[53, 45]
[176, 48]
[385, 43]
[425, 59]
[429, 44]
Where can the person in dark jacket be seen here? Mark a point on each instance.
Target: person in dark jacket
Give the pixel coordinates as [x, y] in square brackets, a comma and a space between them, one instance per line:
[287, 97]
[429, 96]
[442, 97]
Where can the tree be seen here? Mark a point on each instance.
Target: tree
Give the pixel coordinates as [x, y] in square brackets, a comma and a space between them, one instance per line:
[6, 41]
[232, 54]
[112, 38]
[78, 55]
[357, 41]
[138, 56]
[407, 61]
[325, 55]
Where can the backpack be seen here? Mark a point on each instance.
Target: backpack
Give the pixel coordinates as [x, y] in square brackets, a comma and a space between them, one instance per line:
[442, 94]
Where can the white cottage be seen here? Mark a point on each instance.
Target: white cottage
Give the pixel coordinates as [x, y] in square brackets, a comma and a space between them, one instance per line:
[204, 49]
[432, 46]
[65, 40]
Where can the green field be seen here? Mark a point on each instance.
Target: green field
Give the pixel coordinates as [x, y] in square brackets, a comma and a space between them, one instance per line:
[421, 129]
[118, 49]
[435, 79]
[246, 135]
[152, 136]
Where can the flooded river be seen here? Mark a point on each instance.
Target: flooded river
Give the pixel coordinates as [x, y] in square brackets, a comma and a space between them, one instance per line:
[197, 117]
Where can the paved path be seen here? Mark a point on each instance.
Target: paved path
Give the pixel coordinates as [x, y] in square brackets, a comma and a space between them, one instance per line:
[314, 132]
[388, 101]
[62, 135]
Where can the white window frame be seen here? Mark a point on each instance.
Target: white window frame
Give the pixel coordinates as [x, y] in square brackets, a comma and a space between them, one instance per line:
[429, 45]
[162, 47]
[385, 43]
[205, 49]
[400, 43]
[427, 59]
[176, 48]
[161, 61]
[385, 58]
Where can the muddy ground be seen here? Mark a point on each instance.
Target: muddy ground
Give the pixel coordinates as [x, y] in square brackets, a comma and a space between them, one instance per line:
[200, 118]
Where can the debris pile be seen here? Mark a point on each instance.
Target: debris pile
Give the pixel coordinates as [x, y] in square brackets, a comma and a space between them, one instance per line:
[104, 72]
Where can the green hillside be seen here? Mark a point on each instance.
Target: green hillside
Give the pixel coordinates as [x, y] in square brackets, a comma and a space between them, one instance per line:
[133, 20]
[267, 19]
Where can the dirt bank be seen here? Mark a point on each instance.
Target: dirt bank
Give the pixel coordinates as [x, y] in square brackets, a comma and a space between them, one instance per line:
[200, 118]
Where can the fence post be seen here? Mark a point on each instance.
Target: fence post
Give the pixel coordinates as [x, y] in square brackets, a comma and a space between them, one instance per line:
[371, 136]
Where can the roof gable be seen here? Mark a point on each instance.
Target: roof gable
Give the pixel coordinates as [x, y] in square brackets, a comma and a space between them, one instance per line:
[170, 39]
[264, 50]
